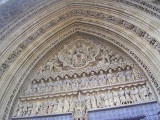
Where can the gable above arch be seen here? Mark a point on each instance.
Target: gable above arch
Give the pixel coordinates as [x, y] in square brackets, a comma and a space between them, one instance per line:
[32, 39]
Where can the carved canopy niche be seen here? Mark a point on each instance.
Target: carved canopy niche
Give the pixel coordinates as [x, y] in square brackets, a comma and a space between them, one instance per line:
[81, 73]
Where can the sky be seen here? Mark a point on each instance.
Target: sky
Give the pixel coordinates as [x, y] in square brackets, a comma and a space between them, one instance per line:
[2, 1]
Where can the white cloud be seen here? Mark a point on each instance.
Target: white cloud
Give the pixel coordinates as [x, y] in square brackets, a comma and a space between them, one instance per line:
[3, 1]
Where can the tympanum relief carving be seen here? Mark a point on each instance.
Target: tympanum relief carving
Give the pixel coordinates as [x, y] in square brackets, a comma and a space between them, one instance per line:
[100, 79]
[88, 100]
[78, 54]
[82, 76]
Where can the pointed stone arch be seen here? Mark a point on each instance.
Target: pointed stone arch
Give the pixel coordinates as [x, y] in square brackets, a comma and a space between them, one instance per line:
[96, 25]
[95, 33]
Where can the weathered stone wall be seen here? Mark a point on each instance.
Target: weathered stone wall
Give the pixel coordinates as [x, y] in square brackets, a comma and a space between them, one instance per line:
[26, 36]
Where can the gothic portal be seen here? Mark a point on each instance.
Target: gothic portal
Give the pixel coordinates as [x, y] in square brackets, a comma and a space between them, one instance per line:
[79, 60]
[84, 73]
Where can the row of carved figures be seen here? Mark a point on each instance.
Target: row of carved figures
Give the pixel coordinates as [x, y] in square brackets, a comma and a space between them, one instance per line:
[80, 83]
[79, 56]
[94, 100]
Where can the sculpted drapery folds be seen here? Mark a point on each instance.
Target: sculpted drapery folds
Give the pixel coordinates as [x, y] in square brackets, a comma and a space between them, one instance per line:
[83, 75]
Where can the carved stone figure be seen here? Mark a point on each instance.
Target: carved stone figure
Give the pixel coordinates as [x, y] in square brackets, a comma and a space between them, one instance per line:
[105, 57]
[68, 83]
[91, 53]
[35, 109]
[136, 94]
[93, 101]
[103, 99]
[50, 106]
[56, 63]
[100, 63]
[88, 101]
[120, 76]
[66, 105]
[141, 93]
[110, 98]
[41, 86]
[122, 96]
[127, 95]
[68, 58]
[75, 83]
[132, 95]
[118, 59]
[79, 58]
[39, 109]
[58, 85]
[93, 80]
[80, 111]
[102, 79]
[115, 58]
[110, 53]
[30, 108]
[50, 65]
[146, 93]
[72, 104]
[78, 53]
[99, 100]
[106, 98]
[34, 87]
[55, 105]
[84, 81]
[50, 85]
[116, 98]
[45, 107]
[25, 109]
[111, 77]
[64, 85]
[59, 106]
[129, 74]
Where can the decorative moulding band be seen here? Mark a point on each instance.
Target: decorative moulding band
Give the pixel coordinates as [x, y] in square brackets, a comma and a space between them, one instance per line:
[87, 13]
[20, 82]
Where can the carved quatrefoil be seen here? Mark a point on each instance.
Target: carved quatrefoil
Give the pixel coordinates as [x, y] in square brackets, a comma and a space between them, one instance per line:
[78, 54]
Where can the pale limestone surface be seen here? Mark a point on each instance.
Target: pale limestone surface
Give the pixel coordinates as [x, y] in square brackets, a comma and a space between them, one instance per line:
[27, 53]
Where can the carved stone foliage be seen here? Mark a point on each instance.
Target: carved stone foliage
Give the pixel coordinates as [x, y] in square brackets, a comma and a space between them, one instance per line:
[81, 101]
